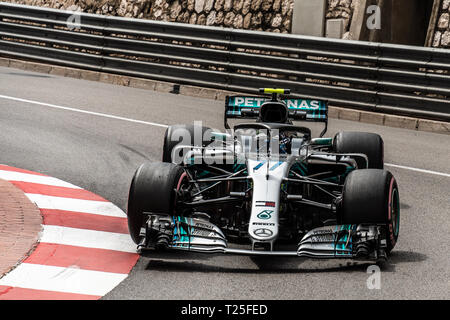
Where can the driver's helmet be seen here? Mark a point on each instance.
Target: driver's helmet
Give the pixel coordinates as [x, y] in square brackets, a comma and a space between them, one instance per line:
[283, 139]
[285, 143]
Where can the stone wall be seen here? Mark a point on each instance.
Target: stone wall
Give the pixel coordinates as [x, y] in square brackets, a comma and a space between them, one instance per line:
[341, 9]
[442, 31]
[261, 15]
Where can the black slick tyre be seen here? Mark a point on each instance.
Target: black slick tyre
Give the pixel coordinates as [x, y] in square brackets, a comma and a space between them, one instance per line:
[371, 196]
[185, 134]
[370, 144]
[152, 190]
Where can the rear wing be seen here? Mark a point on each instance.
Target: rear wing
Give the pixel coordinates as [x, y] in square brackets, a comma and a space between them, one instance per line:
[247, 107]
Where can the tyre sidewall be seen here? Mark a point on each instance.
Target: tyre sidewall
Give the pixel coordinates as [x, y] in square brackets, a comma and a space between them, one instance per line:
[151, 190]
[185, 134]
[370, 144]
[369, 196]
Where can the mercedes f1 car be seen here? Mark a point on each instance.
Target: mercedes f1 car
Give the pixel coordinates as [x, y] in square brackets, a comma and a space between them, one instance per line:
[267, 187]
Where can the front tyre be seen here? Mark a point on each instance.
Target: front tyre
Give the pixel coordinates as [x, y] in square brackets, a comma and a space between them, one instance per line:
[185, 134]
[370, 144]
[371, 196]
[152, 190]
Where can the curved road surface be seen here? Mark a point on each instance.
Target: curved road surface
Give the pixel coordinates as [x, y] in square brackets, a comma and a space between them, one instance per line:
[95, 135]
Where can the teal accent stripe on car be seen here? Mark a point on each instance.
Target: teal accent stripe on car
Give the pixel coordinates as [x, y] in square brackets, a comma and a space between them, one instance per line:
[322, 141]
[259, 165]
[179, 233]
[276, 165]
[300, 167]
[341, 246]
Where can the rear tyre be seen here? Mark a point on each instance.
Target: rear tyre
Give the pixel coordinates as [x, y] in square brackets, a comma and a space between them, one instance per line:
[185, 134]
[371, 196]
[152, 190]
[370, 144]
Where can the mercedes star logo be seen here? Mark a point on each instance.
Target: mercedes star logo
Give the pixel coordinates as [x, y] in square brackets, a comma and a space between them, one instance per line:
[264, 233]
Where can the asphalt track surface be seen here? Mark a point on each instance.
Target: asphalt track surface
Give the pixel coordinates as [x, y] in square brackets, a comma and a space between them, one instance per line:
[95, 135]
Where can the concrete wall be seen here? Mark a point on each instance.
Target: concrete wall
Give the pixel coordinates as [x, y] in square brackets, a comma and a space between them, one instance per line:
[309, 17]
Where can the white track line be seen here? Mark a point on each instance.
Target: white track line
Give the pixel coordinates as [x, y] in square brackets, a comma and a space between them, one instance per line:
[87, 238]
[34, 178]
[70, 280]
[419, 170]
[83, 111]
[69, 204]
[165, 126]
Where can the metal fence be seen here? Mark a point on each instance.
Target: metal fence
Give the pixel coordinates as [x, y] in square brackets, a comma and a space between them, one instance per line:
[377, 77]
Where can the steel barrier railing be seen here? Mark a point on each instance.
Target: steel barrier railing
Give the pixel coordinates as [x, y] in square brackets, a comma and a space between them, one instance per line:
[395, 79]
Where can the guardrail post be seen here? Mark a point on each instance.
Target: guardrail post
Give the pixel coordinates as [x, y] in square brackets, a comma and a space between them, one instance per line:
[378, 88]
[229, 47]
[105, 33]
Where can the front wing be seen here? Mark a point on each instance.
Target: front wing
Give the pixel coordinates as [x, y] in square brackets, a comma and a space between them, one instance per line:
[363, 242]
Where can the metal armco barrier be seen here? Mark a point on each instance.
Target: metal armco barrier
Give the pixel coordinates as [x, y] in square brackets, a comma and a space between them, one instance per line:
[402, 80]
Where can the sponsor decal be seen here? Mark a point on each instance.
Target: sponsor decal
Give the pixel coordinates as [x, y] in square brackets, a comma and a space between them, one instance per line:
[263, 233]
[264, 215]
[203, 225]
[266, 204]
[263, 224]
[302, 104]
[203, 233]
[322, 231]
[326, 238]
[256, 102]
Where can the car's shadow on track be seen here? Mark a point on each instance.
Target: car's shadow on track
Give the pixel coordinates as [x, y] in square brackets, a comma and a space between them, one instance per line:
[205, 263]
[191, 266]
[398, 257]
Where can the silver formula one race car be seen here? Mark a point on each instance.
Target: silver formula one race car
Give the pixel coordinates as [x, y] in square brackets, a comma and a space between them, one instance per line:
[267, 187]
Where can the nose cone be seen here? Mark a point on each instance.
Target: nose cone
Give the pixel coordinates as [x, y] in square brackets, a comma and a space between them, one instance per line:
[267, 177]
